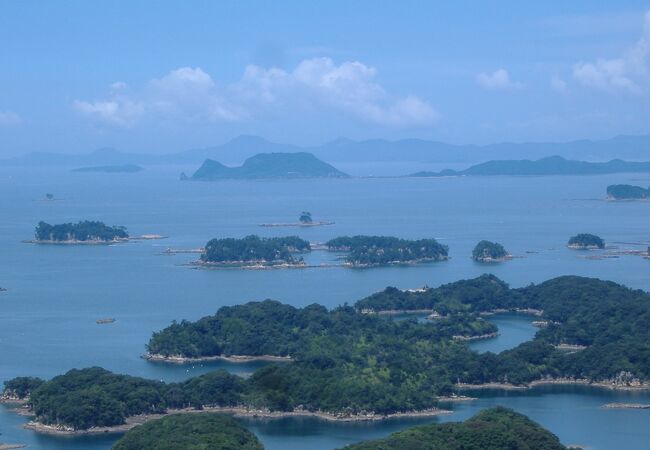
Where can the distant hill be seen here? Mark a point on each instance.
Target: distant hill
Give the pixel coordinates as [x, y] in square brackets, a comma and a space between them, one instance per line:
[269, 165]
[240, 148]
[124, 168]
[552, 165]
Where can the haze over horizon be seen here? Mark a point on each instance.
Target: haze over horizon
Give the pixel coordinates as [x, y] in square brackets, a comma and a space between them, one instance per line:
[78, 77]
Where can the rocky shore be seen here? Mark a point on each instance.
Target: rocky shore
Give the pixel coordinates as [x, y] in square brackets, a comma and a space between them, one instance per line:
[475, 338]
[78, 242]
[179, 359]
[626, 406]
[637, 386]
[235, 411]
[250, 265]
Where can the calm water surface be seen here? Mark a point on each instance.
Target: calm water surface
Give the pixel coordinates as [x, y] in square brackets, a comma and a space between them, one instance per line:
[55, 293]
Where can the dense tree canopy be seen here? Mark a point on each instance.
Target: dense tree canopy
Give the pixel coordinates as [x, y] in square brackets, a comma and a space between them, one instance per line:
[380, 250]
[86, 230]
[348, 362]
[205, 431]
[491, 429]
[489, 251]
[254, 249]
[586, 240]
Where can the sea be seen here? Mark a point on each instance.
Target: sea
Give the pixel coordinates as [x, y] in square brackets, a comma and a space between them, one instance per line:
[55, 293]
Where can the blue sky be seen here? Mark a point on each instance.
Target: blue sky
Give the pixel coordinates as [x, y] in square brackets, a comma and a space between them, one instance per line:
[163, 77]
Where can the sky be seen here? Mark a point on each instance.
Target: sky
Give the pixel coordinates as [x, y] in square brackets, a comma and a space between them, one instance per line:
[160, 77]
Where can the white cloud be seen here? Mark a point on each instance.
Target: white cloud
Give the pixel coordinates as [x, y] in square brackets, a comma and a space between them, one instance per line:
[558, 84]
[9, 118]
[316, 84]
[119, 111]
[628, 72]
[499, 79]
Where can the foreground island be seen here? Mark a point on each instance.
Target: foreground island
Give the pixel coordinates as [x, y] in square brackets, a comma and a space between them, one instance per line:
[353, 363]
[586, 241]
[205, 431]
[84, 232]
[491, 429]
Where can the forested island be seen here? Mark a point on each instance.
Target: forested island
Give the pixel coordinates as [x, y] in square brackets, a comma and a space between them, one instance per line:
[361, 251]
[124, 168]
[269, 165]
[254, 251]
[627, 192]
[205, 431]
[551, 165]
[486, 251]
[491, 429]
[348, 364]
[586, 241]
[368, 251]
[83, 232]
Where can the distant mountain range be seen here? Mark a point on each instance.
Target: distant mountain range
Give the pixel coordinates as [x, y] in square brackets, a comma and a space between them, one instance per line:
[552, 165]
[346, 150]
[268, 165]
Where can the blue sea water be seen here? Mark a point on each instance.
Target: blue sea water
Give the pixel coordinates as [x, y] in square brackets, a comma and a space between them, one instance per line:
[56, 293]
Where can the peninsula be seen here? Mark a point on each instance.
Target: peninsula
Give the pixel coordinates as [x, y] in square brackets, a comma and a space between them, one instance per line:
[488, 252]
[269, 165]
[552, 165]
[125, 168]
[627, 192]
[84, 232]
[254, 251]
[347, 365]
[369, 251]
[586, 241]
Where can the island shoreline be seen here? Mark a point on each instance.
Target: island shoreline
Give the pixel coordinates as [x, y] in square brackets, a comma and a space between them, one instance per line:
[236, 411]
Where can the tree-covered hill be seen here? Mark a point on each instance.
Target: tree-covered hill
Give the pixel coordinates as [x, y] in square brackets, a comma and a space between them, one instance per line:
[491, 429]
[205, 431]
